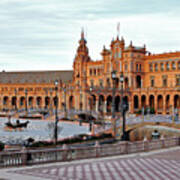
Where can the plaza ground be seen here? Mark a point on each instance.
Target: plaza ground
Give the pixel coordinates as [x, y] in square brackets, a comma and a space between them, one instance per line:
[162, 164]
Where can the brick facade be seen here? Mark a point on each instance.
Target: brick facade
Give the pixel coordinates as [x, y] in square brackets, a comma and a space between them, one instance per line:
[150, 80]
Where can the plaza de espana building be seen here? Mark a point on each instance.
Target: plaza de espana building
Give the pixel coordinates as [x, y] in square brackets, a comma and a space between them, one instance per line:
[150, 80]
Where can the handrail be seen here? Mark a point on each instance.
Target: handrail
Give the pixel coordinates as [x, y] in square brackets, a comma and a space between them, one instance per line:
[37, 156]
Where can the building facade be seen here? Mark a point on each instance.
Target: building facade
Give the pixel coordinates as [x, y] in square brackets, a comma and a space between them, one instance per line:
[150, 80]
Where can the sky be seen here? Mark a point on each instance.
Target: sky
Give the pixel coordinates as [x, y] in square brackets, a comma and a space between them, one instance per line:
[44, 34]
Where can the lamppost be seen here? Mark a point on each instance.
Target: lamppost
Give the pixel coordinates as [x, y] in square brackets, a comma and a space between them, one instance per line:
[26, 108]
[15, 93]
[80, 101]
[56, 113]
[113, 76]
[51, 109]
[90, 123]
[123, 110]
[65, 110]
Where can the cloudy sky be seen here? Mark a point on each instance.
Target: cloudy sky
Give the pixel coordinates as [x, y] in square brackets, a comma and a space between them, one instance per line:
[44, 34]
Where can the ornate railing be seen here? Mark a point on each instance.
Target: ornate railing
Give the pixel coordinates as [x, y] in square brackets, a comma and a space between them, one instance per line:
[29, 156]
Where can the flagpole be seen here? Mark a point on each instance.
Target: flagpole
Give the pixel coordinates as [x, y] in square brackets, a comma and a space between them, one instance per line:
[118, 29]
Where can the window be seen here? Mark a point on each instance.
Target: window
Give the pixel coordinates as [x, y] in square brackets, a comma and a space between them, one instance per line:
[99, 72]
[90, 72]
[108, 84]
[178, 80]
[173, 66]
[126, 67]
[137, 68]
[152, 81]
[156, 67]
[131, 66]
[94, 71]
[140, 68]
[167, 66]
[117, 66]
[78, 83]
[92, 83]
[120, 66]
[162, 67]
[164, 81]
[101, 83]
[150, 67]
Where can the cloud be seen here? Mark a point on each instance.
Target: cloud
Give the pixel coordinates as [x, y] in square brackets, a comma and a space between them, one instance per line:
[47, 31]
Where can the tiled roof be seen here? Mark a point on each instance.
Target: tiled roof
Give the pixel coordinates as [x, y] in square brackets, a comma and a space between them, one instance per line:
[35, 77]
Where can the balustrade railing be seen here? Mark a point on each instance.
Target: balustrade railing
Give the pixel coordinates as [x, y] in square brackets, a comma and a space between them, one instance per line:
[38, 156]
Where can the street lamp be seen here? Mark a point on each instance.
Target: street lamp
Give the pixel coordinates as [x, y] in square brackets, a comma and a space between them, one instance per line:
[90, 123]
[56, 113]
[51, 101]
[123, 110]
[65, 110]
[26, 108]
[15, 92]
[113, 76]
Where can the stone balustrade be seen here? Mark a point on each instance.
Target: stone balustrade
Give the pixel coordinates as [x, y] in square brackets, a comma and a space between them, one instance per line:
[38, 156]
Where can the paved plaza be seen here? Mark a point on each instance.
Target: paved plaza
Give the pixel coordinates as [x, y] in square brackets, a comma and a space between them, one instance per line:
[156, 165]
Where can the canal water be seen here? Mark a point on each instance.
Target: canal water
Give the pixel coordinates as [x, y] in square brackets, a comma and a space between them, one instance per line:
[39, 130]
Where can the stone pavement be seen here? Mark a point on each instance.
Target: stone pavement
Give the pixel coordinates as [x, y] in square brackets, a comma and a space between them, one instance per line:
[156, 165]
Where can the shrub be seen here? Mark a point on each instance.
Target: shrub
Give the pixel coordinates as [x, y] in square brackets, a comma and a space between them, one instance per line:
[152, 111]
[1, 146]
[77, 139]
[41, 144]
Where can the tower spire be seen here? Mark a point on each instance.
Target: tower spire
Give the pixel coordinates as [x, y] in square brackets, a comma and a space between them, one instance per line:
[118, 29]
[82, 33]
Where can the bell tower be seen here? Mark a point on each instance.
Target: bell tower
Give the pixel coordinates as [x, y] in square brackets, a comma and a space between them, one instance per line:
[80, 61]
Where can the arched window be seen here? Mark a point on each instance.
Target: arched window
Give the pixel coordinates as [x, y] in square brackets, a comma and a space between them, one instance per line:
[162, 67]
[156, 67]
[140, 68]
[167, 66]
[137, 69]
[108, 84]
[150, 67]
[90, 71]
[94, 71]
[138, 81]
[173, 65]
[126, 67]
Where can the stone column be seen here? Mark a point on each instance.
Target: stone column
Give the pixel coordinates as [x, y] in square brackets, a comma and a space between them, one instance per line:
[34, 102]
[147, 101]
[76, 101]
[1, 102]
[140, 104]
[97, 103]
[131, 109]
[43, 101]
[155, 103]
[105, 106]
[164, 104]
[142, 83]
[18, 102]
